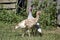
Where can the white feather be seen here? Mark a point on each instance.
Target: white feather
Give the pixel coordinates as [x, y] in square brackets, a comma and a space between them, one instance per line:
[21, 25]
[39, 30]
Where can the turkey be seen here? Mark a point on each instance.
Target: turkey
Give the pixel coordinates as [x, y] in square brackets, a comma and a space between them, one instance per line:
[28, 23]
[30, 16]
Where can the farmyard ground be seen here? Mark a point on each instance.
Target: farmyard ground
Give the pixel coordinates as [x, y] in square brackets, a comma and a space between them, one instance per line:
[7, 33]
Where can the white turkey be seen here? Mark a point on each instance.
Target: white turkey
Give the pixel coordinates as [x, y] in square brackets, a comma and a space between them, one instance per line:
[28, 23]
[30, 16]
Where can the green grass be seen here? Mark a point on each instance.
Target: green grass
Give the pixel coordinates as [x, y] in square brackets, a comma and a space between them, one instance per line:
[7, 33]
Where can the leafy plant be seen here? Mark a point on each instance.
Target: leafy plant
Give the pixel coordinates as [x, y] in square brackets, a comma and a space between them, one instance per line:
[10, 16]
[48, 15]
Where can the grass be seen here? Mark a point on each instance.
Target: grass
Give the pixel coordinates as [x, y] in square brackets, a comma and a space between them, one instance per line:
[7, 33]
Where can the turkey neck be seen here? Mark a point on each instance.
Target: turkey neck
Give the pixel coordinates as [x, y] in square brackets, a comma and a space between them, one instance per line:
[37, 18]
